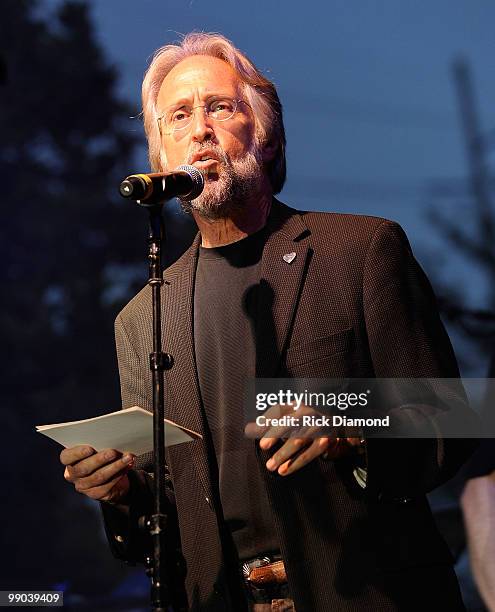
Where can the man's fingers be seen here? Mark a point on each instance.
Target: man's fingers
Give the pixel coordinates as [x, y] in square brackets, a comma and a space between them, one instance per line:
[286, 451]
[316, 448]
[282, 421]
[266, 443]
[254, 431]
[95, 463]
[85, 467]
[105, 475]
[74, 454]
[276, 422]
[111, 489]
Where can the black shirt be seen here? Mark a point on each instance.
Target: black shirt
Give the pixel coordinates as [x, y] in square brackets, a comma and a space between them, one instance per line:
[224, 324]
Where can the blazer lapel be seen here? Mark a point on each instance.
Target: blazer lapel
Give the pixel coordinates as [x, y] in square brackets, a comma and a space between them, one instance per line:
[285, 260]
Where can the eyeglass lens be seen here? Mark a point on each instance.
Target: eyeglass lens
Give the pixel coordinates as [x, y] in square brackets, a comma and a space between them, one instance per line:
[219, 109]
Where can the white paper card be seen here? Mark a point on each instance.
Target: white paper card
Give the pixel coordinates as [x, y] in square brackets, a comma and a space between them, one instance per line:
[128, 430]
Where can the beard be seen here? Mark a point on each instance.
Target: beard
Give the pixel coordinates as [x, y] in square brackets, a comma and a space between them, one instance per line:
[233, 183]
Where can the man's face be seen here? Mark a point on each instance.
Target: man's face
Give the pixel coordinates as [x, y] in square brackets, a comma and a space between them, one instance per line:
[234, 168]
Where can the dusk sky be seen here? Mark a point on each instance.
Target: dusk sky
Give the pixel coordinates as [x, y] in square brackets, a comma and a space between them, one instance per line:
[371, 109]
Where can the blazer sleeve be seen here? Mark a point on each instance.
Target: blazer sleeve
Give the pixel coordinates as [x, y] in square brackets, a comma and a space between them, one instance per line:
[127, 541]
[408, 340]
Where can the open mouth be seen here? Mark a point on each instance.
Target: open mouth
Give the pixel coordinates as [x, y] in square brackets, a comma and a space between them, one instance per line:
[205, 161]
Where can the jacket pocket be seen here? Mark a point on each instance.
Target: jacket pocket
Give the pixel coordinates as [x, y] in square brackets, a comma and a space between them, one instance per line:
[320, 348]
[328, 357]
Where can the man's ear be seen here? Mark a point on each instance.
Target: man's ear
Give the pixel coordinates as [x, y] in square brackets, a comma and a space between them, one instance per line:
[269, 150]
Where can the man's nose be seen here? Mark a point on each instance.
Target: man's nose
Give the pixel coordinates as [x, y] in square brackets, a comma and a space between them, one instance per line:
[201, 128]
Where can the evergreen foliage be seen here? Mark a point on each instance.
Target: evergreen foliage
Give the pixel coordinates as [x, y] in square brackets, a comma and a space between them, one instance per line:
[72, 252]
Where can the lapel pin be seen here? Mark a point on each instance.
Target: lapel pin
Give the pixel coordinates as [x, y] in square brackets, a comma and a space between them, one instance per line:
[289, 257]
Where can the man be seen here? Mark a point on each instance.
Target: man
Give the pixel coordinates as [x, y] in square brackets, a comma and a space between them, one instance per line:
[267, 291]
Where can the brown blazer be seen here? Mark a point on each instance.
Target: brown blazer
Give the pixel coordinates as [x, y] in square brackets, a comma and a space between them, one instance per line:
[353, 302]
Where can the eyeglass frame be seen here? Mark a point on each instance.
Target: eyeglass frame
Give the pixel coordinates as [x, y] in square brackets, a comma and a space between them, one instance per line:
[192, 108]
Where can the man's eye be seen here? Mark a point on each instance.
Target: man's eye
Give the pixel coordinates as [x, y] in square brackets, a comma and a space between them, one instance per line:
[221, 107]
[180, 115]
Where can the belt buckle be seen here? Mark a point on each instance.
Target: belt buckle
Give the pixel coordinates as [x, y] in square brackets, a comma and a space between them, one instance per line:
[250, 565]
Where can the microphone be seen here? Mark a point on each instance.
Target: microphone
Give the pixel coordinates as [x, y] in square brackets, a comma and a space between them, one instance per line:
[185, 182]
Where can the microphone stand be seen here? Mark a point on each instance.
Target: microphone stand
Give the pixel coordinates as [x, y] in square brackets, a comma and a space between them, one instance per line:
[159, 363]
[150, 191]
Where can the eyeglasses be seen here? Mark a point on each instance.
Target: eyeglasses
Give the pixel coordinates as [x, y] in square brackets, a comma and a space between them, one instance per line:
[218, 109]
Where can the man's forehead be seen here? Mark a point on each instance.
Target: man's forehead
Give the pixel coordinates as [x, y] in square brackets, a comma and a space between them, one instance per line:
[199, 73]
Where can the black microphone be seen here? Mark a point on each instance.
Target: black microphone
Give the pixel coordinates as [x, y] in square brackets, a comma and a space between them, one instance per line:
[185, 182]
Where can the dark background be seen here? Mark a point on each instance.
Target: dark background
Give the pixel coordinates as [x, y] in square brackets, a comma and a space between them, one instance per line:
[377, 123]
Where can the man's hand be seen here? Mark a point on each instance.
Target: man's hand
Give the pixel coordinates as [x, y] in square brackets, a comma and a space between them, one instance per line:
[295, 453]
[99, 475]
[301, 444]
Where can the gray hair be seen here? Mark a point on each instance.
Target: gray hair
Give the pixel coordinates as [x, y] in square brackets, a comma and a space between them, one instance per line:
[259, 91]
